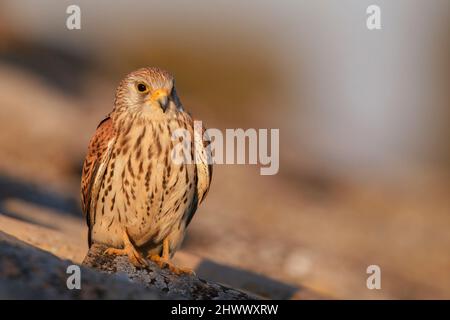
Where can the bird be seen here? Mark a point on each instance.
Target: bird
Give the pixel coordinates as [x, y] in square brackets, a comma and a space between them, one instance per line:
[137, 201]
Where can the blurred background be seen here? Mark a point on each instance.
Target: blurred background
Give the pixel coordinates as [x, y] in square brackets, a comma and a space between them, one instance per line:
[363, 118]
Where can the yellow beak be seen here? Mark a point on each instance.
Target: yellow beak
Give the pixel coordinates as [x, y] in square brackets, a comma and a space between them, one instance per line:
[162, 97]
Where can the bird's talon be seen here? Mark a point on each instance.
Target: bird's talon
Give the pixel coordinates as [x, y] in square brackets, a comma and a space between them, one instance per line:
[181, 270]
[164, 263]
[160, 262]
[115, 252]
[133, 255]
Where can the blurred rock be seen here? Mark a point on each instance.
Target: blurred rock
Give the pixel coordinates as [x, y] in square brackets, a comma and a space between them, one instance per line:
[30, 273]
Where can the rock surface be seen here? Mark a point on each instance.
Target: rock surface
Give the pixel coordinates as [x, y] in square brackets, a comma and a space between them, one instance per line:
[162, 280]
[30, 273]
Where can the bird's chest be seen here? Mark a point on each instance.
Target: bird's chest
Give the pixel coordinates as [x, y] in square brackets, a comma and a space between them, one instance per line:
[145, 190]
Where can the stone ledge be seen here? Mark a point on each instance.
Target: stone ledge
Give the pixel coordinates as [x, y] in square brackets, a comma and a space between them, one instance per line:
[162, 280]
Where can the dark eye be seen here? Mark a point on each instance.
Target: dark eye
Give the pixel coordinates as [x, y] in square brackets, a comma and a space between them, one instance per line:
[141, 87]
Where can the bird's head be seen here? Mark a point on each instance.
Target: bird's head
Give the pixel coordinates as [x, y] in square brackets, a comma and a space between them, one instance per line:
[147, 93]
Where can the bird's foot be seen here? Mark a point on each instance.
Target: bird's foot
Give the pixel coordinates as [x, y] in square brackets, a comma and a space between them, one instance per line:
[129, 250]
[135, 257]
[165, 263]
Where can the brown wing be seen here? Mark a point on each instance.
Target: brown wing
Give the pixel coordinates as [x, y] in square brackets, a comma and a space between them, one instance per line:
[97, 158]
[203, 162]
[203, 166]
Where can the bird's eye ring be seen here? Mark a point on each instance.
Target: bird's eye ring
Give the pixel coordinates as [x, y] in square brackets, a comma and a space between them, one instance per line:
[141, 87]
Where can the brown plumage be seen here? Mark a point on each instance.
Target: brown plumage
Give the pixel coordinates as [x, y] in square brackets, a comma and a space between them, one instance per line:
[135, 198]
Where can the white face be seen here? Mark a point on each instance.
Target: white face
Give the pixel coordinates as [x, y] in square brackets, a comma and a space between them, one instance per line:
[150, 96]
[147, 98]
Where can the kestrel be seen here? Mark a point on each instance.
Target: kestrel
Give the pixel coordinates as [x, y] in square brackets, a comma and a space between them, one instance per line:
[136, 200]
